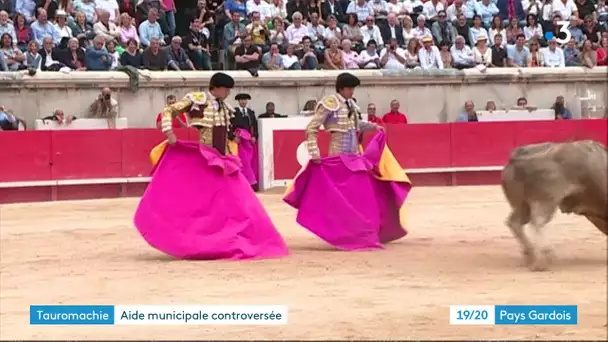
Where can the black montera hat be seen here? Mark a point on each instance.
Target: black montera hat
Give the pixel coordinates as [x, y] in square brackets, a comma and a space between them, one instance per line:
[221, 80]
[347, 80]
[242, 96]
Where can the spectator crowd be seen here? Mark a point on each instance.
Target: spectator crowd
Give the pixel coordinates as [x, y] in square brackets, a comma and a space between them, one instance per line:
[64, 35]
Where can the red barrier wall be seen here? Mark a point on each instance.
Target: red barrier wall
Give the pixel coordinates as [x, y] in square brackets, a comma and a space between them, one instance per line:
[62, 155]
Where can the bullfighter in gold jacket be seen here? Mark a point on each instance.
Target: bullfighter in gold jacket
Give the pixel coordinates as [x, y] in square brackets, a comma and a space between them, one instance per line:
[207, 112]
[339, 114]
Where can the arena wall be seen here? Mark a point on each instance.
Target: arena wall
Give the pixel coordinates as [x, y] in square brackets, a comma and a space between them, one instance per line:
[63, 165]
[429, 97]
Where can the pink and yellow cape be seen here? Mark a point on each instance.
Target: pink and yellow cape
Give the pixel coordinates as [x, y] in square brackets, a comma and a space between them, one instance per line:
[199, 205]
[353, 201]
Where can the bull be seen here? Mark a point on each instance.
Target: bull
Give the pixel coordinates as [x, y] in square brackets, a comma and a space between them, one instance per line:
[540, 178]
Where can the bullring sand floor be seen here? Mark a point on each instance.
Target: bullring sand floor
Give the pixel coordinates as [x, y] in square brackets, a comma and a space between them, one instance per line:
[458, 252]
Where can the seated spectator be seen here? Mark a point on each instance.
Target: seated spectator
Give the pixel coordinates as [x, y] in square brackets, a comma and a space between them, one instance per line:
[561, 112]
[81, 29]
[178, 59]
[462, 55]
[270, 113]
[476, 30]
[482, 54]
[332, 31]
[362, 8]
[421, 31]
[143, 9]
[87, 7]
[111, 48]
[297, 30]
[446, 55]
[442, 30]
[235, 6]
[12, 56]
[59, 117]
[522, 103]
[499, 53]
[110, 7]
[575, 30]
[180, 121]
[397, 8]
[289, 60]
[333, 8]
[258, 31]
[370, 31]
[234, 33]
[602, 53]
[277, 9]
[408, 29]
[462, 29]
[33, 59]
[572, 55]
[518, 55]
[73, 56]
[486, 10]
[23, 32]
[105, 107]
[309, 108]
[106, 28]
[96, 58]
[368, 58]
[334, 58]
[294, 6]
[150, 29]
[27, 8]
[498, 29]
[42, 28]
[50, 56]
[278, 35]
[65, 31]
[429, 55]
[533, 30]
[469, 114]
[536, 56]
[393, 30]
[490, 106]
[127, 30]
[430, 9]
[588, 55]
[553, 56]
[272, 59]
[132, 56]
[380, 8]
[197, 46]
[262, 8]
[154, 58]
[315, 32]
[308, 59]
[351, 59]
[371, 114]
[352, 32]
[247, 56]
[10, 122]
[394, 116]
[6, 27]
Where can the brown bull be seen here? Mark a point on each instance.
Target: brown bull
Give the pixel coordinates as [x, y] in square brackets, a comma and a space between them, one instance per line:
[540, 178]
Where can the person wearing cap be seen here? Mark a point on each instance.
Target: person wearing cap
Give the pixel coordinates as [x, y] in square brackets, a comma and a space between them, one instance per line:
[244, 136]
[338, 197]
[482, 54]
[429, 55]
[198, 205]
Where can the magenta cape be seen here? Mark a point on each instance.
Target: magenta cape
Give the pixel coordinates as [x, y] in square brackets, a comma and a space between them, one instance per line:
[199, 205]
[352, 201]
[247, 152]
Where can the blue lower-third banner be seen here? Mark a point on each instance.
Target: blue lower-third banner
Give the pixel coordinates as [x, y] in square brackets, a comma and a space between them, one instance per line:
[513, 314]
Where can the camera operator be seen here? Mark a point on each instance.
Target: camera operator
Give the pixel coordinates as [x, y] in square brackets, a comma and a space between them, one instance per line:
[105, 107]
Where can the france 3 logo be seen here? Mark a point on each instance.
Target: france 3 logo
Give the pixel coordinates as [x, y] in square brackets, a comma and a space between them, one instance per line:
[564, 32]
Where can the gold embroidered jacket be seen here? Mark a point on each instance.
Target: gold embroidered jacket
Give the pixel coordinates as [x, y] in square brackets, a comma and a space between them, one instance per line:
[203, 112]
[332, 112]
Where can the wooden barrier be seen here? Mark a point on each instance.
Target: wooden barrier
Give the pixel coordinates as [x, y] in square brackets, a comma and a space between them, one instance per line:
[55, 165]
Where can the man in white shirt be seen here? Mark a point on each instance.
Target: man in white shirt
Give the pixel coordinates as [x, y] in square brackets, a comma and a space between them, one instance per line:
[565, 8]
[110, 6]
[457, 7]
[429, 55]
[462, 55]
[430, 9]
[296, 31]
[261, 7]
[362, 8]
[553, 55]
[370, 31]
[315, 31]
[393, 57]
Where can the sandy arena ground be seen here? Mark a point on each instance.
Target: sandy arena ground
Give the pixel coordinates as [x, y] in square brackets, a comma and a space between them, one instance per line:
[458, 252]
